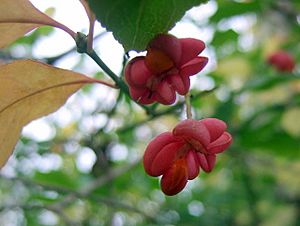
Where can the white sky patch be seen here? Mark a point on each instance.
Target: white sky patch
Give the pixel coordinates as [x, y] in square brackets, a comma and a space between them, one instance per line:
[196, 208]
[64, 117]
[69, 61]
[90, 124]
[118, 219]
[69, 12]
[118, 152]
[238, 23]
[204, 82]
[35, 162]
[86, 158]
[203, 12]
[143, 133]
[192, 31]
[86, 103]
[74, 17]
[11, 218]
[39, 130]
[111, 52]
[47, 162]
[48, 218]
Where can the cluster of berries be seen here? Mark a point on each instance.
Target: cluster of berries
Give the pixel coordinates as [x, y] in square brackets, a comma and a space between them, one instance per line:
[165, 70]
[177, 156]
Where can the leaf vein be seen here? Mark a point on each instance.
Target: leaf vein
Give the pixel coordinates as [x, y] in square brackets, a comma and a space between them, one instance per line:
[139, 17]
[44, 90]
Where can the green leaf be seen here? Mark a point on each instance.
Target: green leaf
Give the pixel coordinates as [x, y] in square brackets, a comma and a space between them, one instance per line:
[224, 37]
[225, 110]
[134, 23]
[228, 9]
[264, 83]
[56, 178]
[34, 36]
[265, 133]
[277, 142]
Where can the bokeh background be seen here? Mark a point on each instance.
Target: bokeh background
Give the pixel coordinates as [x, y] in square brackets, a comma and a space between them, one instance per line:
[82, 164]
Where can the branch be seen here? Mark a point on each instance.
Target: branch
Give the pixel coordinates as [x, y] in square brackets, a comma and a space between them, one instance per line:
[82, 47]
[119, 205]
[107, 70]
[119, 82]
[86, 193]
[109, 176]
[30, 207]
[251, 194]
[246, 180]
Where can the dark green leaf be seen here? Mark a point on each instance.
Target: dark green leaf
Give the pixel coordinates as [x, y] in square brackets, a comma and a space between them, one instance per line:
[34, 36]
[55, 178]
[267, 82]
[228, 9]
[224, 37]
[134, 23]
[225, 110]
[265, 133]
[278, 142]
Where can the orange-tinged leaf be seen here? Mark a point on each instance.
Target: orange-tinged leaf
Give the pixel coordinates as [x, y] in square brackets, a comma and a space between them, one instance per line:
[30, 90]
[17, 17]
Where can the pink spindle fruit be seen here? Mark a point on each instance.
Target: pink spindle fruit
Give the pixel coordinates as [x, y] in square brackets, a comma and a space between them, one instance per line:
[165, 70]
[179, 155]
[282, 61]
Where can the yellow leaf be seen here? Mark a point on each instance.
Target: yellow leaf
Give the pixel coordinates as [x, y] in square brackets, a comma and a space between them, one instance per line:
[30, 90]
[17, 17]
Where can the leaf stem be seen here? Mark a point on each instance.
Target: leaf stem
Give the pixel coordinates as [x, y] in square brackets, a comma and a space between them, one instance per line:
[66, 29]
[92, 20]
[104, 83]
[50, 22]
[119, 82]
[91, 35]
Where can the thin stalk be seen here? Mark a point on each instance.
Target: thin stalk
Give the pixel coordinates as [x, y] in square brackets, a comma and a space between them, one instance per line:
[119, 82]
[188, 105]
[108, 71]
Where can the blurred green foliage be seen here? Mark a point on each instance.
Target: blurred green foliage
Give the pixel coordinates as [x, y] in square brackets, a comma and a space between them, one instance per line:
[256, 181]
